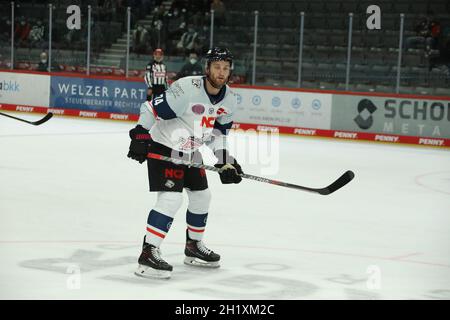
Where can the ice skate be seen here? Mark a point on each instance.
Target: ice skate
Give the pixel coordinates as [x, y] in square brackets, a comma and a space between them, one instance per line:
[197, 254]
[151, 265]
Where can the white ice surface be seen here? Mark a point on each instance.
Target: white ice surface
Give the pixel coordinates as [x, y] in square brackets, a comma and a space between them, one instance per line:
[73, 211]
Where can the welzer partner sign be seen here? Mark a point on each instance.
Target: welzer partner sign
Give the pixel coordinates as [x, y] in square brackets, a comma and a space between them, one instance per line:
[97, 94]
[398, 116]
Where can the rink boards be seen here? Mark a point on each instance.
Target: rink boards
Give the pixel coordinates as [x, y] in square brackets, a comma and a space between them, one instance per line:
[410, 119]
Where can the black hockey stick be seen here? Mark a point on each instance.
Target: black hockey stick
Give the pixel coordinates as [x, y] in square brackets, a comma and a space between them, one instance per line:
[34, 123]
[339, 183]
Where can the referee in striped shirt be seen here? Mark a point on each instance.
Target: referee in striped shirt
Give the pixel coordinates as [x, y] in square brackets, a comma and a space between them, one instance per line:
[156, 75]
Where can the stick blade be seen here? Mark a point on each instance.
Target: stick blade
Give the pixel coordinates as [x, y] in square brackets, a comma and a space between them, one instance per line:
[339, 183]
[47, 117]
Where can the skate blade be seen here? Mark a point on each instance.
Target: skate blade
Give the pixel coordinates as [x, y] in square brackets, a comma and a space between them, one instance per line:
[201, 263]
[147, 272]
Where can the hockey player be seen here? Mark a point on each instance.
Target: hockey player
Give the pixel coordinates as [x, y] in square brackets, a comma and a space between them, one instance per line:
[194, 111]
[156, 75]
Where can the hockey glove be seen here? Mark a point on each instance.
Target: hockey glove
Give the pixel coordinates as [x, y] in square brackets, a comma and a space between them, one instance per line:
[229, 168]
[140, 140]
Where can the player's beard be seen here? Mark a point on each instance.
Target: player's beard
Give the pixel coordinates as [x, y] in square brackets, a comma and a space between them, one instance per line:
[214, 83]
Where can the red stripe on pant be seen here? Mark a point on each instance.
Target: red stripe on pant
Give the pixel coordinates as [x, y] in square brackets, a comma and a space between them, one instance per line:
[156, 233]
[196, 230]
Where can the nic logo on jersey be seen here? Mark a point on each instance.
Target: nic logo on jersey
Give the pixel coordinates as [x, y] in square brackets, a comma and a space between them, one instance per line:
[221, 111]
[208, 122]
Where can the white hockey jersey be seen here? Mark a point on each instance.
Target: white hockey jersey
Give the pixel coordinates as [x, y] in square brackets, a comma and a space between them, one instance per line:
[185, 116]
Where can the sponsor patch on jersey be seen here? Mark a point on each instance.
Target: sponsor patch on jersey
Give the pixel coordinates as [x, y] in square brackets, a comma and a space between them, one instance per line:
[208, 122]
[169, 184]
[221, 111]
[198, 108]
[196, 83]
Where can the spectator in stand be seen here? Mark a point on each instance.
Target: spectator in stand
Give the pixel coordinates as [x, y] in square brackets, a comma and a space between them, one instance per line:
[156, 34]
[195, 12]
[36, 36]
[174, 26]
[441, 57]
[427, 30]
[159, 12]
[219, 12]
[191, 68]
[435, 28]
[203, 39]
[43, 62]
[22, 32]
[159, 28]
[140, 39]
[188, 40]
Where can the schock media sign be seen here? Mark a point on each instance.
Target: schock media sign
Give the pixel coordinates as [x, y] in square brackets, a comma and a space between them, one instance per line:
[402, 116]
